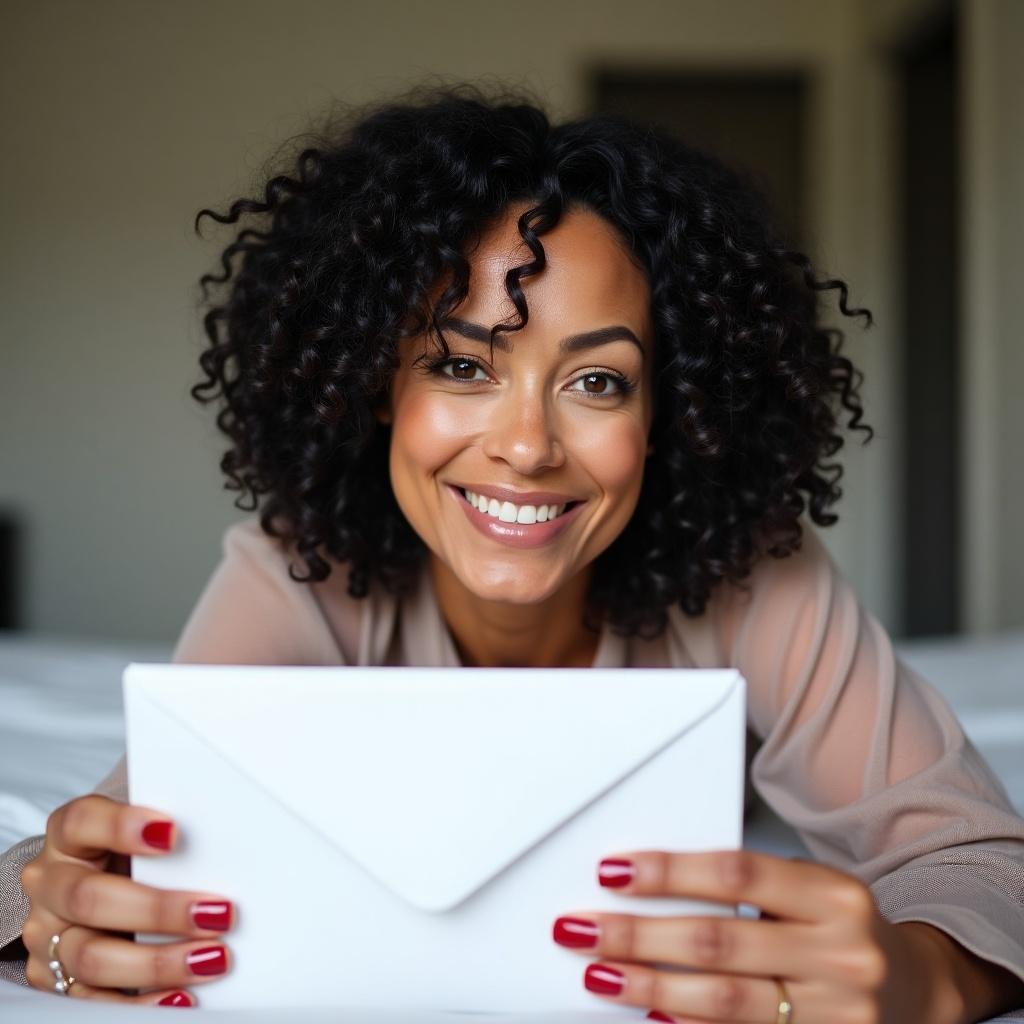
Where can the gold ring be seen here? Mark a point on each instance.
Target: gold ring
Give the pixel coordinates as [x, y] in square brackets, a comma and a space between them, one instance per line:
[62, 981]
[785, 1011]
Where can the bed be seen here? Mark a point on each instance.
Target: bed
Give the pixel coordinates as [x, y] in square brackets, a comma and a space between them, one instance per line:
[61, 730]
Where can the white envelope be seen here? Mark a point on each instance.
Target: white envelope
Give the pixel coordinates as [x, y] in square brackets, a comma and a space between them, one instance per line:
[405, 837]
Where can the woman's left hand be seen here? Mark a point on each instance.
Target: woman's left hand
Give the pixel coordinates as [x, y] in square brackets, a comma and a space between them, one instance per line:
[820, 932]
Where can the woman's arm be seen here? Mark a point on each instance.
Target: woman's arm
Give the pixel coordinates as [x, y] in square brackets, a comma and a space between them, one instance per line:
[14, 907]
[968, 987]
[868, 762]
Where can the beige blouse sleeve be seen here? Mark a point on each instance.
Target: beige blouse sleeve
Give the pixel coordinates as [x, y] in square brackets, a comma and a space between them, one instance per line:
[866, 760]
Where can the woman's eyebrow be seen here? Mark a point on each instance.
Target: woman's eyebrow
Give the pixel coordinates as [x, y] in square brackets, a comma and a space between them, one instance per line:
[573, 343]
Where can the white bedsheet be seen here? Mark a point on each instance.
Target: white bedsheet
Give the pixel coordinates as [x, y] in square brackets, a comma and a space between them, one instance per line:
[61, 723]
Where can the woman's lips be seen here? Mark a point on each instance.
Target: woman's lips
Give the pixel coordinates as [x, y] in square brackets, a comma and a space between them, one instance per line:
[516, 535]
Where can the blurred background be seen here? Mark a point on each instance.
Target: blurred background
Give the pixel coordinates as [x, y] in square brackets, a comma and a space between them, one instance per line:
[889, 132]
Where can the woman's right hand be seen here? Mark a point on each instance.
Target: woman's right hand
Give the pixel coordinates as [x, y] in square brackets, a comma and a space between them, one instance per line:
[73, 892]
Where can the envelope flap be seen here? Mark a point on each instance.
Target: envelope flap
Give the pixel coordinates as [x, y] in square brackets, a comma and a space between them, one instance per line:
[433, 781]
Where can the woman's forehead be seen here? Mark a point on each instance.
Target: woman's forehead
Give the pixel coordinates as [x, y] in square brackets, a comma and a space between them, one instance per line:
[589, 275]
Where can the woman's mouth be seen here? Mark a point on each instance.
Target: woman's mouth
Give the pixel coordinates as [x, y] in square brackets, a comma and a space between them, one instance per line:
[508, 512]
[524, 526]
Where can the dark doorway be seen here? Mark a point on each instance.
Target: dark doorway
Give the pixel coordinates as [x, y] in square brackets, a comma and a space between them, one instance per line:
[931, 367]
[10, 571]
[754, 122]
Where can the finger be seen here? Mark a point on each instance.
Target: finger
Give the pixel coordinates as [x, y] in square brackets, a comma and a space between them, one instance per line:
[98, 899]
[40, 976]
[39, 928]
[790, 890]
[676, 1018]
[718, 944]
[103, 961]
[90, 827]
[712, 997]
[164, 997]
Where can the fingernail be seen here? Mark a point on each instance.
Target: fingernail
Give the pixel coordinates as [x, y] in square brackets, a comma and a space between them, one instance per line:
[575, 932]
[658, 1015]
[158, 834]
[213, 916]
[614, 874]
[208, 960]
[176, 999]
[604, 980]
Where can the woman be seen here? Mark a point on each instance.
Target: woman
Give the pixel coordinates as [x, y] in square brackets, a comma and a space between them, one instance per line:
[516, 394]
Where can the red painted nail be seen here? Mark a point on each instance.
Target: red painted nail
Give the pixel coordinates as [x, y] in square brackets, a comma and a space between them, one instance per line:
[208, 960]
[614, 874]
[575, 932]
[215, 917]
[658, 1015]
[176, 999]
[605, 980]
[158, 834]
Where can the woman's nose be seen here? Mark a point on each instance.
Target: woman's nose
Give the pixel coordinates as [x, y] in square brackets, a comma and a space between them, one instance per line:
[523, 434]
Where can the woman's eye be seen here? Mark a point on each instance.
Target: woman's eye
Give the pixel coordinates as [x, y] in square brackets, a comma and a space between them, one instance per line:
[599, 384]
[462, 369]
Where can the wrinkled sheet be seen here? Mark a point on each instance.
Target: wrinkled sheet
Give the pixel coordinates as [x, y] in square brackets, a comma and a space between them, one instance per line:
[61, 723]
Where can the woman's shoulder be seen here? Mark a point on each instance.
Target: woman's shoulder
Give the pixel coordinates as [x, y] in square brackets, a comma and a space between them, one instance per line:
[255, 549]
[248, 540]
[752, 604]
[252, 591]
[775, 575]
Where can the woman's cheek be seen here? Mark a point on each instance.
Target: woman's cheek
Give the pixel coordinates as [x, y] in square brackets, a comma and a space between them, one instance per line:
[613, 452]
[427, 435]
[431, 429]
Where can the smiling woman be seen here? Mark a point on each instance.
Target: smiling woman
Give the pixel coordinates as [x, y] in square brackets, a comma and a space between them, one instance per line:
[513, 393]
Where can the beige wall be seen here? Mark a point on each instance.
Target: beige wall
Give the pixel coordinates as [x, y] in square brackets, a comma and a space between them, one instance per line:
[993, 318]
[120, 119]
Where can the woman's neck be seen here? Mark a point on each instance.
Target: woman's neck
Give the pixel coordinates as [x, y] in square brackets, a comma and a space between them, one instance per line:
[498, 634]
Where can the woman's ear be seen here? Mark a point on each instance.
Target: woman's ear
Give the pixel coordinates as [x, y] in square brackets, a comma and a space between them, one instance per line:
[382, 411]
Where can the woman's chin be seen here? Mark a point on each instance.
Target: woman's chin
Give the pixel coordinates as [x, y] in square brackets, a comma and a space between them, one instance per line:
[505, 590]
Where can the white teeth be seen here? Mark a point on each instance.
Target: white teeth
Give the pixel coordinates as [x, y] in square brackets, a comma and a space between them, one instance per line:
[527, 514]
[507, 512]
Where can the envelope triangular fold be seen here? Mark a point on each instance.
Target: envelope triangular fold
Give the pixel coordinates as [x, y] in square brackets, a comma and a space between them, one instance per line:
[470, 768]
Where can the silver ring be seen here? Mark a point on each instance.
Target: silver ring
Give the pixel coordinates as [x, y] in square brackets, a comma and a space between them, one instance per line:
[62, 981]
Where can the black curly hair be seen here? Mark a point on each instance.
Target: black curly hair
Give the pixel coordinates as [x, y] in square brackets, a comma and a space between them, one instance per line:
[380, 207]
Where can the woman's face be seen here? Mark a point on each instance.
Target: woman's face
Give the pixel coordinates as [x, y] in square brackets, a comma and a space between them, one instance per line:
[547, 423]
